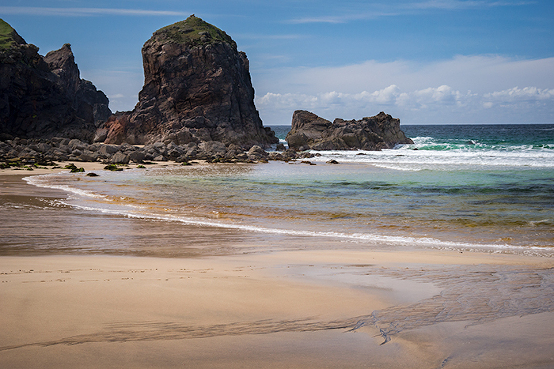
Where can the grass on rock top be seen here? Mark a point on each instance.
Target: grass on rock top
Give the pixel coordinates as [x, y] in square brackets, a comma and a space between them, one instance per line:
[193, 31]
[6, 35]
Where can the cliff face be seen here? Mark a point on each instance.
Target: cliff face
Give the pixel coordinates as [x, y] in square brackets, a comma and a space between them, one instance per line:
[197, 88]
[45, 96]
[371, 133]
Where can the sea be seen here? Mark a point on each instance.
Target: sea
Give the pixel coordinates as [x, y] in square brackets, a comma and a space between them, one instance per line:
[464, 187]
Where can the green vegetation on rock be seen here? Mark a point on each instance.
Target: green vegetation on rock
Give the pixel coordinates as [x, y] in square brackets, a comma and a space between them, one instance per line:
[193, 31]
[74, 168]
[8, 36]
[113, 168]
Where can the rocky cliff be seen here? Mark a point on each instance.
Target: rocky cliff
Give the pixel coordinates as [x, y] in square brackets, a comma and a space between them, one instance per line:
[45, 96]
[310, 131]
[197, 88]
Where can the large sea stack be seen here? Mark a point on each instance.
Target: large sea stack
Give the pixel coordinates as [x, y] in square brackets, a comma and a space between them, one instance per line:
[310, 131]
[197, 88]
[43, 97]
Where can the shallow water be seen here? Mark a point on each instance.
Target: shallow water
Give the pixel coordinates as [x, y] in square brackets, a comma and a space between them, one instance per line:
[471, 187]
[234, 209]
[354, 202]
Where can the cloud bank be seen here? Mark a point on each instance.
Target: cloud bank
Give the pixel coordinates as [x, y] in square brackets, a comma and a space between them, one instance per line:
[477, 89]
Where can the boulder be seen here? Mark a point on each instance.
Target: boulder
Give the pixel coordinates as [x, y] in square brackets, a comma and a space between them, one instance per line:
[107, 150]
[213, 148]
[256, 153]
[310, 131]
[120, 158]
[137, 156]
[197, 88]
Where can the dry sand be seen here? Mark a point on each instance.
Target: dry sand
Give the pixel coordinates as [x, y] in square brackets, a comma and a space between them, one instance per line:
[329, 308]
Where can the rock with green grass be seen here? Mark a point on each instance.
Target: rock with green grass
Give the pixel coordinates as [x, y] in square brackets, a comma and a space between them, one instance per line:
[113, 168]
[197, 88]
[9, 37]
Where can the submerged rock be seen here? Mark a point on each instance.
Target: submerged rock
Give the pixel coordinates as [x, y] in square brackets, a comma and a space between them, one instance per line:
[310, 131]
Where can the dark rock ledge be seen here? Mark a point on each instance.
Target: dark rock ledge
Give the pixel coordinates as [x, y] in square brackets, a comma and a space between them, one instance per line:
[45, 151]
[310, 131]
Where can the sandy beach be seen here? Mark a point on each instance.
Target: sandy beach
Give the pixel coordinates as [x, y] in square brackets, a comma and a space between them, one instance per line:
[246, 304]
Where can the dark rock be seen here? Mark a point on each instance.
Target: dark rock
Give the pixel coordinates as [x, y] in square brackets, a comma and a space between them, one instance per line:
[276, 156]
[107, 150]
[100, 135]
[280, 147]
[73, 168]
[120, 158]
[160, 158]
[76, 144]
[88, 156]
[371, 133]
[44, 96]
[113, 168]
[332, 161]
[197, 88]
[137, 156]
[256, 153]
[43, 147]
[213, 148]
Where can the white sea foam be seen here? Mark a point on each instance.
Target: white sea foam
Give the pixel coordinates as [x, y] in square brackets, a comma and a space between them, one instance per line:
[42, 181]
[127, 211]
[405, 158]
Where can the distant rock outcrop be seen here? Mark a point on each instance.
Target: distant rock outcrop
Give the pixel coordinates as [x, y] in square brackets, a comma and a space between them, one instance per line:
[197, 89]
[42, 97]
[310, 131]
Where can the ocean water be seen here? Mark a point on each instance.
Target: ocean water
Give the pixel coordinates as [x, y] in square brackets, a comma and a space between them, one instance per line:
[482, 187]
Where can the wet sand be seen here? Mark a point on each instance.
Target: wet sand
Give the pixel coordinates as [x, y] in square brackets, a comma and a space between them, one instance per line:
[85, 290]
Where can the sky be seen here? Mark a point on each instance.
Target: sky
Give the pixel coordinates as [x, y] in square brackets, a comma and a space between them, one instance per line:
[423, 61]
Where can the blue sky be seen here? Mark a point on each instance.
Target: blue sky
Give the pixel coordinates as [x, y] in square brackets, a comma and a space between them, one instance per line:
[423, 61]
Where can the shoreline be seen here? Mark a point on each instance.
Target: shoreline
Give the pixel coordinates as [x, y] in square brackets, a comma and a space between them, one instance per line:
[374, 239]
[87, 166]
[256, 305]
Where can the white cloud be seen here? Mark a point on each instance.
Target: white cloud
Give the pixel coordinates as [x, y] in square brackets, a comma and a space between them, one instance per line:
[521, 94]
[528, 99]
[481, 74]
[441, 104]
[385, 96]
[464, 89]
[79, 12]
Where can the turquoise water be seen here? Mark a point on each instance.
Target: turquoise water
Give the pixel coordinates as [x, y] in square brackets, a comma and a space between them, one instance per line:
[471, 187]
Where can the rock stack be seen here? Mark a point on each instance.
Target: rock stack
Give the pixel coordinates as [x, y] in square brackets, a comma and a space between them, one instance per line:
[197, 89]
[45, 96]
